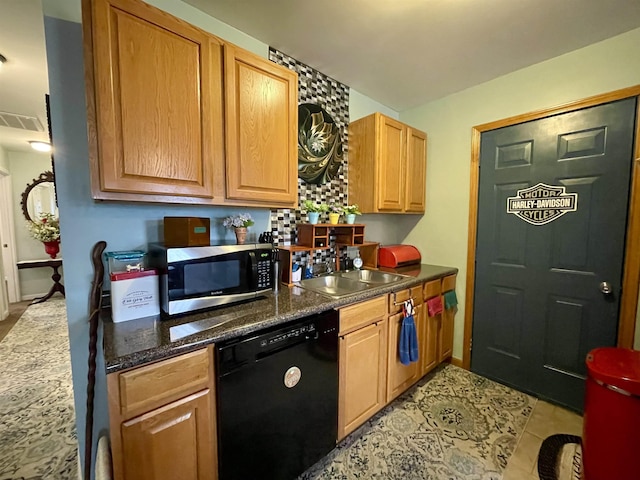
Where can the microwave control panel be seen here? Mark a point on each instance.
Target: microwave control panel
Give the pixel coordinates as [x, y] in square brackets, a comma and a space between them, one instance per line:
[264, 274]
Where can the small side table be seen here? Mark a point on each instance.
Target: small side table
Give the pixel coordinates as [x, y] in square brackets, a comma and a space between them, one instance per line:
[54, 264]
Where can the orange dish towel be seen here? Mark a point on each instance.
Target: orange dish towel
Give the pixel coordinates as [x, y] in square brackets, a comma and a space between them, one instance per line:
[434, 306]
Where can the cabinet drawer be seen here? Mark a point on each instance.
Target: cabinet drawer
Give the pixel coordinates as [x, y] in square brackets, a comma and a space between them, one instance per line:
[362, 314]
[398, 298]
[148, 387]
[448, 283]
[432, 289]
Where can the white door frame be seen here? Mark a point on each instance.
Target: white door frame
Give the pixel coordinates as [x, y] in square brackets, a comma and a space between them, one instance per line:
[8, 236]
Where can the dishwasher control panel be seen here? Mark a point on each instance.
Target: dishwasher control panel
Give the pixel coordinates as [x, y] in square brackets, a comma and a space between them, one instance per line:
[284, 336]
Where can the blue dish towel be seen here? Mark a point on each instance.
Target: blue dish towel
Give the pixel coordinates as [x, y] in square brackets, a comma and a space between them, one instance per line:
[408, 345]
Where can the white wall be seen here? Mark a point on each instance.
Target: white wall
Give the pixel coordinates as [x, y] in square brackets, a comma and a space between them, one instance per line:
[360, 106]
[4, 297]
[4, 159]
[442, 233]
[24, 168]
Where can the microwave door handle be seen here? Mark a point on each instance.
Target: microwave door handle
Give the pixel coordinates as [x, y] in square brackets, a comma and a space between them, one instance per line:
[253, 271]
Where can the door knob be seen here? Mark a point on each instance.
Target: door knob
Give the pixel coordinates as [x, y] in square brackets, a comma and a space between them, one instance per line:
[605, 287]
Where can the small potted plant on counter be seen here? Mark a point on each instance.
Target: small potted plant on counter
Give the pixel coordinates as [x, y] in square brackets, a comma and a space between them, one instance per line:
[313, 210]
[350, 212]
[239, 223]
[334, 214]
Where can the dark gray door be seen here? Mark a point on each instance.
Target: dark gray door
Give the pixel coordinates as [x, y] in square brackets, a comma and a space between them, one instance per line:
[539, 307]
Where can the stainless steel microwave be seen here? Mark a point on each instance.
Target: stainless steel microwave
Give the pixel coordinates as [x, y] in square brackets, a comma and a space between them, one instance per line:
[197, 278]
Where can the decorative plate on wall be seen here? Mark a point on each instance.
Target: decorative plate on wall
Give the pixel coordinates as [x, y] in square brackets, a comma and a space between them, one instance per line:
[319, 145]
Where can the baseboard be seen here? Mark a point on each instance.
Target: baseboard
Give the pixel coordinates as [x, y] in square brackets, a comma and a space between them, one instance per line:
[32, 296]
[456, 362]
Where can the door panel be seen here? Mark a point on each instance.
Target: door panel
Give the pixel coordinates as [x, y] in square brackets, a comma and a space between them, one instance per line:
[157, 79]
[391, 165]
[538, 308]
[510, 233]
[565, 334]
[416, 174]
[261, 119]
[508, 315]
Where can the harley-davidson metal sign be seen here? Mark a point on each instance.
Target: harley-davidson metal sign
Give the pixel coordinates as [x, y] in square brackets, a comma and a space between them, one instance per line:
[542, 203]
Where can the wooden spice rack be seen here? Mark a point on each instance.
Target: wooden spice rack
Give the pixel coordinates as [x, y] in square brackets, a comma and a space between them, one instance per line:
[317, 237]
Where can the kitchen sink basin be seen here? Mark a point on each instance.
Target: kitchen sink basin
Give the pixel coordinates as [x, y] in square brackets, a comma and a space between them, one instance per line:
[333, 285]
[371, 276]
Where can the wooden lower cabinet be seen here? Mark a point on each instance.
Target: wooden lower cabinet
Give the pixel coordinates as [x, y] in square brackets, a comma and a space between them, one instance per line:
[162, 419]
[362, 363]
[445, 336]
[399, 376]
[171, 442]
[429, 333]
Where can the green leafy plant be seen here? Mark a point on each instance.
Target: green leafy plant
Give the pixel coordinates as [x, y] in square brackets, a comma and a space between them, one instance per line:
[310, 206]
[46, 229]
[351, 210]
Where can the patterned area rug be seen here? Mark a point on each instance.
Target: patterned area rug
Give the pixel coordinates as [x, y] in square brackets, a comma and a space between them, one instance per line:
[453, 425]
[37, 418]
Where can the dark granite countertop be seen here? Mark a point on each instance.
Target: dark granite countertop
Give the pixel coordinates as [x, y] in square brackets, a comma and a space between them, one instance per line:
[136, 342]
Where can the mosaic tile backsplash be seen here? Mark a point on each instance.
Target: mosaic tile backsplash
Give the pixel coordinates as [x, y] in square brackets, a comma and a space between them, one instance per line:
[333, 96]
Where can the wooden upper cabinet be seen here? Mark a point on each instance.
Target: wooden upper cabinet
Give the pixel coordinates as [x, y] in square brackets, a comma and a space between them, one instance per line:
[158, 104]
[387, 165]
[391, 164]
[261, 100]
[416, 178]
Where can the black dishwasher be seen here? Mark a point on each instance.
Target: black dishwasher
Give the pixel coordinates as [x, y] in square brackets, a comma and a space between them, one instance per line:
[278, 399]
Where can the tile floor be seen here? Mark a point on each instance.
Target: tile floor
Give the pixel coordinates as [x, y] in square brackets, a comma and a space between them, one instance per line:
[546, 419]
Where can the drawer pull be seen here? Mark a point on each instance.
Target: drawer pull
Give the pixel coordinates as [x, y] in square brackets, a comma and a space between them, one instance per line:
[399, 304]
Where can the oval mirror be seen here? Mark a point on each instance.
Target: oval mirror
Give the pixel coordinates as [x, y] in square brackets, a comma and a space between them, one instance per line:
[39, 197]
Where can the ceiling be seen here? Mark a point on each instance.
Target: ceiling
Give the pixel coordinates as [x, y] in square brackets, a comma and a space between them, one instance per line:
[404, 53]
[23, 78]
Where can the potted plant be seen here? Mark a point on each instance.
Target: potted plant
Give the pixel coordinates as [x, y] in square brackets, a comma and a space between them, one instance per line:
[350, 212]
[313, 210]
[47, 230]
[239, 223]
[334, 214]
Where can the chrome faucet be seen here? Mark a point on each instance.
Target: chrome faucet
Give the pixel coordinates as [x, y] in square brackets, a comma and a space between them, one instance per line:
[330, 264]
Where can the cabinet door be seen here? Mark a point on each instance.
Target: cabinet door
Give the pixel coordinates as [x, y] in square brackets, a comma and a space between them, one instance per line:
[261, 100]
[172, 442]
[158, 86]
[445, 340]
[399, 376]
[429, 347]
[391, 164]
[363, 364]
[416, 174]
[446, 335]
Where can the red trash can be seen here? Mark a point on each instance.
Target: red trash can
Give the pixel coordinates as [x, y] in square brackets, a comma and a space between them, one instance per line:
[611, 428]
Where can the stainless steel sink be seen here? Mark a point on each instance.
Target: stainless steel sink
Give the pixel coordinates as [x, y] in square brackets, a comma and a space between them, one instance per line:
[371, 276]
[333, 285]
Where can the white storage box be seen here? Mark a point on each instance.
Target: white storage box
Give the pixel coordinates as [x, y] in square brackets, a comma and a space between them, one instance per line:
[134, 295]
